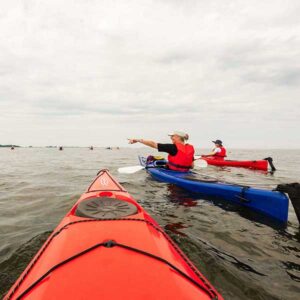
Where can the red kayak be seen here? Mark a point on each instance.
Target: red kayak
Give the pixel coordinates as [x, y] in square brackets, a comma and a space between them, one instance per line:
[250, 164]
[108, 247]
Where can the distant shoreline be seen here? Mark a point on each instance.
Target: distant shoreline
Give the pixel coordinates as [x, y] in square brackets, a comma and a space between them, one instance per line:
[9, 146]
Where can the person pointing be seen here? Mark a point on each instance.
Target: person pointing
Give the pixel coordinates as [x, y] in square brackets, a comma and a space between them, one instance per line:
[181, 154]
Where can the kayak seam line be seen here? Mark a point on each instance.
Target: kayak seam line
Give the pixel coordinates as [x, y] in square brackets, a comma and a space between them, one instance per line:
[183, 256]
[207, 291]
[56, 267]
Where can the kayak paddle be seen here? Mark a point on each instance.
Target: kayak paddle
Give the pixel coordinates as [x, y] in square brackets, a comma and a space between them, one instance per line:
[130, 170]
[200, 163]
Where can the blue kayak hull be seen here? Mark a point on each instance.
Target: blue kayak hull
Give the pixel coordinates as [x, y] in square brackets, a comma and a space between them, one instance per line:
[271, 203]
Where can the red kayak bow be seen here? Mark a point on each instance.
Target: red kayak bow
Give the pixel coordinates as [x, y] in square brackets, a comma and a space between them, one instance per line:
[108, 247]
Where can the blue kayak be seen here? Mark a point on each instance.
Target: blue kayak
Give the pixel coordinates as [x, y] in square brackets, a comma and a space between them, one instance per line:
[271, 203]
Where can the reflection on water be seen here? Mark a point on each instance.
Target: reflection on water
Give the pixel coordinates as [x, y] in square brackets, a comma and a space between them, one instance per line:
[245, 255]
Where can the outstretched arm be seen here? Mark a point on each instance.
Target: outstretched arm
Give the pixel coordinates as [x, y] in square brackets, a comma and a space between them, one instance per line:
[209, 154]
[145, 142]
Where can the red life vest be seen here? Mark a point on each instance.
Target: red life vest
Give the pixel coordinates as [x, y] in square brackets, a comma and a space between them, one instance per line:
[221, 154]
[184, 158]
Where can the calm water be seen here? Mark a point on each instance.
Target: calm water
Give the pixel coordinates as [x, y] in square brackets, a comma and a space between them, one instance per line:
[243, 254]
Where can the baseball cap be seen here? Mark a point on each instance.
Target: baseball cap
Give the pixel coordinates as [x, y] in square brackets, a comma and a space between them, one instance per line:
[218, 142]
[180, 133]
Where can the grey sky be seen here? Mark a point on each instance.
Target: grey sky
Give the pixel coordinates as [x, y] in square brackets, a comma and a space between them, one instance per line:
[96, 72]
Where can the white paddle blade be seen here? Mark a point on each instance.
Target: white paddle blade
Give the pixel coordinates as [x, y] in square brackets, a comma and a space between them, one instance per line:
[130, 170]
[200, 163]
[197, 156]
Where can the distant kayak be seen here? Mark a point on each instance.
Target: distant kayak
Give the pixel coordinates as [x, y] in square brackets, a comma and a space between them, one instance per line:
[274, 204]
[108, 247]
[263, 164]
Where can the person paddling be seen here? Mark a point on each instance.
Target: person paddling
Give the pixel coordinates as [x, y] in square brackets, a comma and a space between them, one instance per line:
[181, 154]
[219, 152]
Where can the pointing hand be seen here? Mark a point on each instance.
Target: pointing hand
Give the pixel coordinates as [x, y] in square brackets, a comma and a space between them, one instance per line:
[132, 141]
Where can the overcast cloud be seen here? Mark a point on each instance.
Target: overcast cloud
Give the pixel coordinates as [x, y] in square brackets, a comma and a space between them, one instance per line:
[96, 72]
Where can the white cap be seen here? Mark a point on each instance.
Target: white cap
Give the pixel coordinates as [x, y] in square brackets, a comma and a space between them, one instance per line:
[180, 133]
